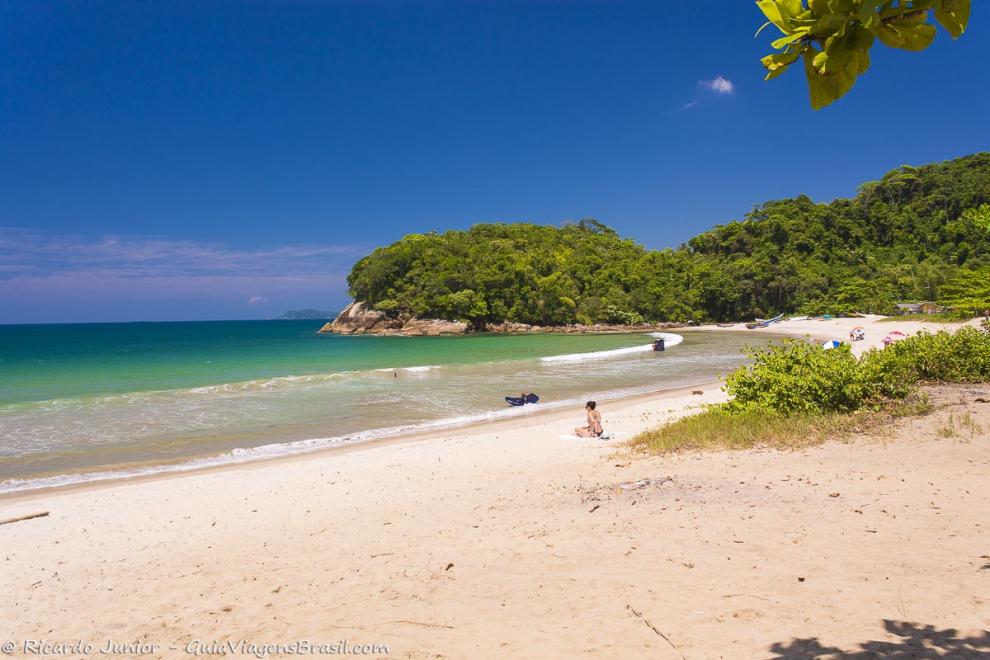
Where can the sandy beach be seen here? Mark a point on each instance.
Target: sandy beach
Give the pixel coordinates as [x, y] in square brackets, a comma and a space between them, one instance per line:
[508, 540]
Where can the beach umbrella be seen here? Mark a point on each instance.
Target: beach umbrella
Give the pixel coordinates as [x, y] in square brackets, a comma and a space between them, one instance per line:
[830, 344]
[892, 337]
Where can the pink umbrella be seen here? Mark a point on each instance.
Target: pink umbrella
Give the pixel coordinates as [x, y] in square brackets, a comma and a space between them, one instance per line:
[892, 336]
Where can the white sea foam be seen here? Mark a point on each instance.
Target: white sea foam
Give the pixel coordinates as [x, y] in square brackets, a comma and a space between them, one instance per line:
[276, 450]
[412, 370]
[669, 340]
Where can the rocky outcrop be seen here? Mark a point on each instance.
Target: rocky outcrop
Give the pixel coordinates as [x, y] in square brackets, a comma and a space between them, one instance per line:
[359, 318]
[509, 327]
[433, 327]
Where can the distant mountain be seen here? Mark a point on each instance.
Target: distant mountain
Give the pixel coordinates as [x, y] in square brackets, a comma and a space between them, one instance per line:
[306, 314]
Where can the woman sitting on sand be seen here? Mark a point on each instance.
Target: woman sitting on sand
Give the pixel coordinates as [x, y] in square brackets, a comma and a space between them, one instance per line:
[594, 427]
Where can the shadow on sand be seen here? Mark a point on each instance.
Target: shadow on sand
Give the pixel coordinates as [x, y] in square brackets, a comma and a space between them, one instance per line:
[915, 642]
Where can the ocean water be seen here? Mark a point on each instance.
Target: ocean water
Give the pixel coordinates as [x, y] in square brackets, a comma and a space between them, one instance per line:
[97, 401]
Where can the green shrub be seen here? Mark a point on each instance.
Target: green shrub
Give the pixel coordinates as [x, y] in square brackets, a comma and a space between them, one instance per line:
[962, 356]
[796, 376]
[796, 391]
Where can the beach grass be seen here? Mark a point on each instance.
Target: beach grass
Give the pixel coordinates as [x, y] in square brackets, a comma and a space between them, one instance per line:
[719, 428]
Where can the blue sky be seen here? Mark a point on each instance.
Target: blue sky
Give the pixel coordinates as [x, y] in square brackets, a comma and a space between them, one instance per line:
[191, 160]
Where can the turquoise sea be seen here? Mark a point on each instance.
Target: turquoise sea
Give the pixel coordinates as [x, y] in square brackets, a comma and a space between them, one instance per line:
[96, 401]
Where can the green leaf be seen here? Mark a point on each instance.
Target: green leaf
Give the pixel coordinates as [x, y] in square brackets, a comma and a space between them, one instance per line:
[818, 7]
[864, 62]
[835, 57]
[777, 63]
[793, 8]
[771, 10]
[888, 36]
[826, 88]
[780, 59]
[828, 25]
[954, 16]
[861, 39]
[842, 51]
[840, 6]
[773, 73]
[908, 36]
[868, 15]
[789, 39]
[820, 96]
[820, 61]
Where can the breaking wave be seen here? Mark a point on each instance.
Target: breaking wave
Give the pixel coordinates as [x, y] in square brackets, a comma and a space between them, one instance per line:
[670, 340]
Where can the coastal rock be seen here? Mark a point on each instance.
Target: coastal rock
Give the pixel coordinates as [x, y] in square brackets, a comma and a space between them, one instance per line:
[358, 318]
[509, 327]
[433, 327]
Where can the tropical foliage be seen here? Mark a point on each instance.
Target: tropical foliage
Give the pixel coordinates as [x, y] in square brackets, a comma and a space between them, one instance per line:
[833, 38]
[916, 234]
[794, 393]
[794, 376]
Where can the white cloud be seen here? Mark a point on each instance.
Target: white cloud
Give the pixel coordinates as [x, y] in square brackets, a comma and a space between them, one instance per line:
[151, 256]
[58, 277]
[718, 85]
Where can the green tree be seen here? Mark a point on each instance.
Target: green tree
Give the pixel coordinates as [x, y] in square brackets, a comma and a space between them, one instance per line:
[903, 237]
[833, 38]
[968, 291]
[979, 216]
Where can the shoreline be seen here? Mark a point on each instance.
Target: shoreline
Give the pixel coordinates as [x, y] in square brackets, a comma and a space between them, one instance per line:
[403, 437]
[815, 329]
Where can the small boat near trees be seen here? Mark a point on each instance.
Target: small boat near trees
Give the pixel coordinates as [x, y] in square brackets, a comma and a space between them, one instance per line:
[763, 323]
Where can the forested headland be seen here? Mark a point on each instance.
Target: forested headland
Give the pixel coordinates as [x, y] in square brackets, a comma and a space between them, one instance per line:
[919, 233]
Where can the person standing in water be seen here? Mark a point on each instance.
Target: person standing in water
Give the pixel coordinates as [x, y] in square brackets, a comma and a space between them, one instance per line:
[594, 427]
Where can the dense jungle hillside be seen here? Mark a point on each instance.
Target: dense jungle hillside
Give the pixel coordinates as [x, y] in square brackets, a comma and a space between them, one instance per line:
[919, 233]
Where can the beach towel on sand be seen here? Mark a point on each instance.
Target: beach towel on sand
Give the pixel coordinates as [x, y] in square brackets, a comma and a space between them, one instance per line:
[607, 435]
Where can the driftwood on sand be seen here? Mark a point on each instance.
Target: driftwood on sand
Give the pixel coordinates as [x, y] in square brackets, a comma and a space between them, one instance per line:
[40, 514]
